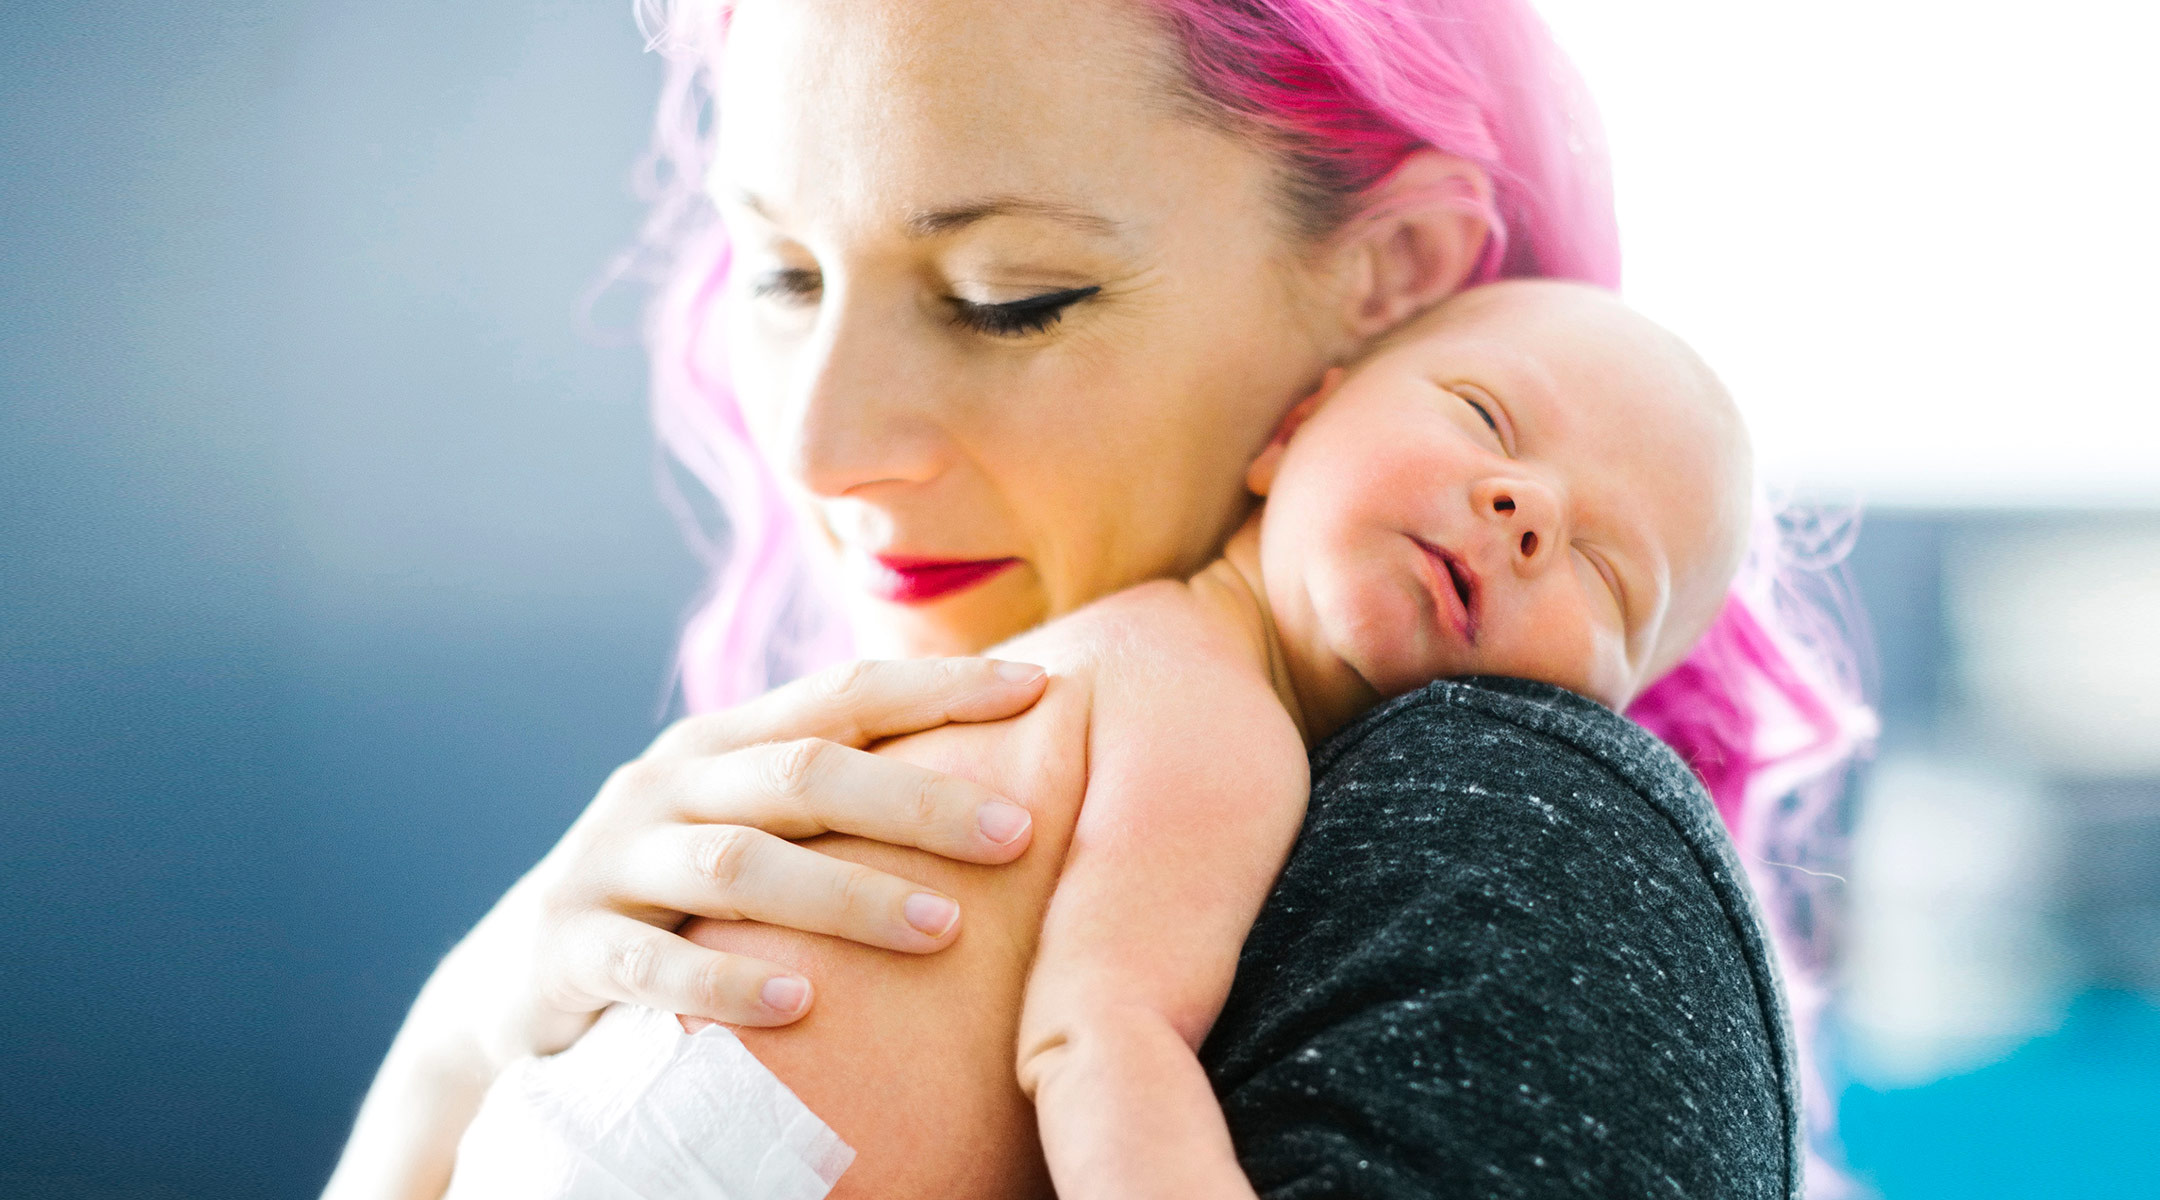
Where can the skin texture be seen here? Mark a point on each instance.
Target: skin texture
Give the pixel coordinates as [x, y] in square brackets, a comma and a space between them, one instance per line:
[913, 1061]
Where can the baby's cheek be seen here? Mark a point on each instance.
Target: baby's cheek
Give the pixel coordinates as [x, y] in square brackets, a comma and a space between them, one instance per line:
[1609, 681]
[1560, 645]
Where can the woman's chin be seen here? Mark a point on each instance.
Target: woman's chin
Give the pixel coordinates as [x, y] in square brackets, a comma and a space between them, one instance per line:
[963, 623]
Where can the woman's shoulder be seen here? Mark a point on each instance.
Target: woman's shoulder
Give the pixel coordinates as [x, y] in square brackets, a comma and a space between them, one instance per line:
[1513, 920]
[1539, 743]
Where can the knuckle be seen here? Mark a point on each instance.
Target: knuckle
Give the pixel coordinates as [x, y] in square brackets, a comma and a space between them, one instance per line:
[926, 803]
[792, 766]
[570, 883]
[560, 995]
[955, 674]
[568, 985]
[857, 890]
[638, 779]
[717, 981]
[848, 685]
[634, 962]
[557, 906]
[721, 855]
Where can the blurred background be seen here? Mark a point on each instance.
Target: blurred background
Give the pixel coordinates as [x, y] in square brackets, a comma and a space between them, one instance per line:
[333, 577]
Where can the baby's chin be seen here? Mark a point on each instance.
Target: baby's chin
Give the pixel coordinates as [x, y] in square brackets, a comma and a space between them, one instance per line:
[1601, 675]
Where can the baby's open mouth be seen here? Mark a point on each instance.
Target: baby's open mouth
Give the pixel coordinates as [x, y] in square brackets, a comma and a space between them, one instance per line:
[1462, 586]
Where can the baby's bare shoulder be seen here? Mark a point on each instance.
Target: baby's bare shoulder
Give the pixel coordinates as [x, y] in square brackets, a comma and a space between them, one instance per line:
[1159, 623]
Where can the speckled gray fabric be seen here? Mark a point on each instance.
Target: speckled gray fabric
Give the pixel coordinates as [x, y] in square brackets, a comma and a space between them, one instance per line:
[1511, 955]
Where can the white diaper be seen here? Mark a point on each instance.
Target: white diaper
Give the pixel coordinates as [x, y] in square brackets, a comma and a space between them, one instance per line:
[639, 1110]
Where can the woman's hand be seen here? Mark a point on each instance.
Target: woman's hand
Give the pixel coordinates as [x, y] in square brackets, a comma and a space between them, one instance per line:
[700, 824]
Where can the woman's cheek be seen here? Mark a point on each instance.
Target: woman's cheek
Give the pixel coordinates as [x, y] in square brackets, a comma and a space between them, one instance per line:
[757, 367]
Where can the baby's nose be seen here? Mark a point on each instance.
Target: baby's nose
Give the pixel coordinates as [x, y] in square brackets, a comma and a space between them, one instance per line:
[1528, 516]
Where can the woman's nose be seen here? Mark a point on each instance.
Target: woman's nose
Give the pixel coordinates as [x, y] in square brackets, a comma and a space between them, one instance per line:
[1525, 516]
[864, 410]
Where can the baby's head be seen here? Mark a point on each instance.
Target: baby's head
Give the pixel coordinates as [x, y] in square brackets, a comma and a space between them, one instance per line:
[1530, 480]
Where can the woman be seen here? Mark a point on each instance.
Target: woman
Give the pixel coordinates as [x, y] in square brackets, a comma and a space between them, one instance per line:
[1004, 297]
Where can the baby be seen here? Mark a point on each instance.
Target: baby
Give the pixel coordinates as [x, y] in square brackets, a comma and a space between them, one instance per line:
[1529, 481]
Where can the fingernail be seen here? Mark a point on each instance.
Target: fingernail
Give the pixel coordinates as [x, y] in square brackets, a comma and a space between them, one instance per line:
[932, 915]
[1001, 822]
[1015, 672]
[785, 993]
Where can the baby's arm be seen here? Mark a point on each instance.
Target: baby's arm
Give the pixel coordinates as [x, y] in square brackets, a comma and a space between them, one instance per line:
[1196, 788]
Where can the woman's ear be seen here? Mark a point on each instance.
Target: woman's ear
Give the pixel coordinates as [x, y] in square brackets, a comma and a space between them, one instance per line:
[1421, 234]
[1260, 476]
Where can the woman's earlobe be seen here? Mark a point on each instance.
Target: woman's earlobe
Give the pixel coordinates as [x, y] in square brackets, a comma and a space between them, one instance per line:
[1420, 239]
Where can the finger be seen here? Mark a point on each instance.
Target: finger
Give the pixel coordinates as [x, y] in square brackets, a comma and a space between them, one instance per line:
[735, 873]
[861, 702]
[629, 960]
[803, 788]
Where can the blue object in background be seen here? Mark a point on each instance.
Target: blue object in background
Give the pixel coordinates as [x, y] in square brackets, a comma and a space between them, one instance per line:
[2074, 1115]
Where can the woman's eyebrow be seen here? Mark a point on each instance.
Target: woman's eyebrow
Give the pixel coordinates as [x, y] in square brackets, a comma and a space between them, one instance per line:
[935, 221]
[931, 222]
[745, 199]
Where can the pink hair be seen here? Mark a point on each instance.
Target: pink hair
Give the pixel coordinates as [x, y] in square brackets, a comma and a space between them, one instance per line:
[1341, 90]
[1768, 711]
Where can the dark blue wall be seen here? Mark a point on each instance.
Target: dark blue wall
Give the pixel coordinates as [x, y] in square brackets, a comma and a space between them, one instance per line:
[332, 577]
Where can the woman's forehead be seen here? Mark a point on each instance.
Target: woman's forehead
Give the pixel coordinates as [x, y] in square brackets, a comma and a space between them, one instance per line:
[1024, 95]
[1084, 159]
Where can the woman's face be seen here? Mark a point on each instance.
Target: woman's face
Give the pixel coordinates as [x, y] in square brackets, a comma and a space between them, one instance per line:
[1008, 326]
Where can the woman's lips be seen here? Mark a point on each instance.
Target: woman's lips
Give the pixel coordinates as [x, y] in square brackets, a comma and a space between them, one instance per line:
[1454, 588]
[906, 579]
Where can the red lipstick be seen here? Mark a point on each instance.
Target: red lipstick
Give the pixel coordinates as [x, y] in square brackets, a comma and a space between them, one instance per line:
[1454, 588]
[904, 579]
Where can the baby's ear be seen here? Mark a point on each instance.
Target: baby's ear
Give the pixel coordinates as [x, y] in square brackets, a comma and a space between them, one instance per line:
[1260, 476]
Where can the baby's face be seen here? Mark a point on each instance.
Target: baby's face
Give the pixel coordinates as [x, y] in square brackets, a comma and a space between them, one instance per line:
[1530, 481]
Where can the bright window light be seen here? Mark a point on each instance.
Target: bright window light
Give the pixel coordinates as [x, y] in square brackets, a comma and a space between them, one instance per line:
[1919, 239]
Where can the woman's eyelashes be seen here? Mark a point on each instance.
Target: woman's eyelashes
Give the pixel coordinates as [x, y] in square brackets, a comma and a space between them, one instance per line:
[797, 286]
[1011, 318]
[1018, 318]
[792, 285]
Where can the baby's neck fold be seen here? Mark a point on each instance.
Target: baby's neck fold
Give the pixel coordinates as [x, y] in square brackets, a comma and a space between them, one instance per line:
[1238, 571]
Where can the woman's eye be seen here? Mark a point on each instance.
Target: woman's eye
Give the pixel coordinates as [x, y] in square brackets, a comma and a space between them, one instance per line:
[795, 285]
[1018, 318]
